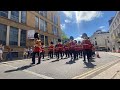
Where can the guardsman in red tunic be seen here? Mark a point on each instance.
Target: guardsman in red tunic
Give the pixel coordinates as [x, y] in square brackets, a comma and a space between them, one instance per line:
[86, 44]
[43, 51]
[76, 50]
[51, 50]
[66, 48]
[80, 49]
[37, 49]
[72, 48]
[59, 49]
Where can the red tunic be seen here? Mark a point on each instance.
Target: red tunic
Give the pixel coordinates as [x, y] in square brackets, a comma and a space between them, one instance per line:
[59, 47]
[42, 49]
[37, 49]
[72, 45]
[66, 47]
[51, 48]
[86, 44]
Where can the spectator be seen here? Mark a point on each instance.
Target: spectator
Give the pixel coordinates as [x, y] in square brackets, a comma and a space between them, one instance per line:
[25, 53]
[1, 51]
[9, 54]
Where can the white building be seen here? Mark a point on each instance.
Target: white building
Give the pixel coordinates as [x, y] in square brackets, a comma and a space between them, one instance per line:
[100, 39]
[114, 30]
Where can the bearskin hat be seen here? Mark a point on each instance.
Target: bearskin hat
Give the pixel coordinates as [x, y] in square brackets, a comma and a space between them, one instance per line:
[75, 41]
[42, 43]
[36, 35]
[51, 42]
[59, 40]
[71, 37]
[79, 41]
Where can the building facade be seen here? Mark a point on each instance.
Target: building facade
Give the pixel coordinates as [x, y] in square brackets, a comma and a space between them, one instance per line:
[101, 40]
[114, 30]
[14, 27]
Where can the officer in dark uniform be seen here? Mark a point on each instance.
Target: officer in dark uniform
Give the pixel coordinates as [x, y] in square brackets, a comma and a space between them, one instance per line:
[86, 44]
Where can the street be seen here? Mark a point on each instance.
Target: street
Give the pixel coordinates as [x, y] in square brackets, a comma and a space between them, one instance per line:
[63, 69]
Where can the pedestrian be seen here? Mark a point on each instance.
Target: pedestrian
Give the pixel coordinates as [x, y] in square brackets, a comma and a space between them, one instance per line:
[28, 52]
[25, 53]
[86, 44]
[37, 49]
[1, 52]
[72, 48]
[43, 51]
[51, 50]
[31, 51]
[9, 53]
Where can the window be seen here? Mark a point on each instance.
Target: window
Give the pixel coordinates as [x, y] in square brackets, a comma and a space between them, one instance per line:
[46, 40]
[95, 42]
[43, 13]
[13, 36]
[95, 37]
[108, 41]
[55, 30]
[23, 38]
[36, 22]
[3, 33]
[42, 38]
[4, 13]
[43, 25]
[52, 17]
[23, 16]
[15, 15]
[55, 20]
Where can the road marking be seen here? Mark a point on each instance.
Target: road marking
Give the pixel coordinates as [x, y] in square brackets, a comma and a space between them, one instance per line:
[94, 70]
[30, 72]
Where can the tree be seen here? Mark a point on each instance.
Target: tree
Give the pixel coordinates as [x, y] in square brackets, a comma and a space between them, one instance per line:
[64, 37]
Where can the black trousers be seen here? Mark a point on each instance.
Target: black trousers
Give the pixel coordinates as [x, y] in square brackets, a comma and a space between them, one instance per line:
[42, 54]
[67, 53]
[33, 57]
[80, 53]
[50, 54]
[73, 54]
[76, 54]
[87, 52]
[59, 53]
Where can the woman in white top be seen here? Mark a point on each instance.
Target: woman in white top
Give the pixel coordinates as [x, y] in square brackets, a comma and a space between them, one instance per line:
[1, 51]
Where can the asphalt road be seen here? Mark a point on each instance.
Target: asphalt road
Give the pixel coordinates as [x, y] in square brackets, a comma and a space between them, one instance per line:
[63, 69]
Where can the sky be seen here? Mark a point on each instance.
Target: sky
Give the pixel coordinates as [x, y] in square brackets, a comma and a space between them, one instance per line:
[74, 23]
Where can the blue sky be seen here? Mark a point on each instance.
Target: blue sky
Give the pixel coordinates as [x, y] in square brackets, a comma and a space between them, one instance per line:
[74, 23]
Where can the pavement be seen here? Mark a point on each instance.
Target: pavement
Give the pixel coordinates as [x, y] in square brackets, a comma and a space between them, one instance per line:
[111, 73]
[63, 69]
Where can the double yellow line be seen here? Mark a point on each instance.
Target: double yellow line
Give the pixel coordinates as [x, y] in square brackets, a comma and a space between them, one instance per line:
[84, 75]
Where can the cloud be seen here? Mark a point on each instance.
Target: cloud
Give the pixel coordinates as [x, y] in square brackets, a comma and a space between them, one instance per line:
[67, 21]
[62, 26]
[83, 15]
[87, 15]
[68, 14]
[79, 38]
[102, 27]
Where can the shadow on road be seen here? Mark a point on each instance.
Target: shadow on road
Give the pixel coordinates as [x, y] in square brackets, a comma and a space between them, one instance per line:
[21, 68]
[70, 62]
[55, 60]
[89, 65]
